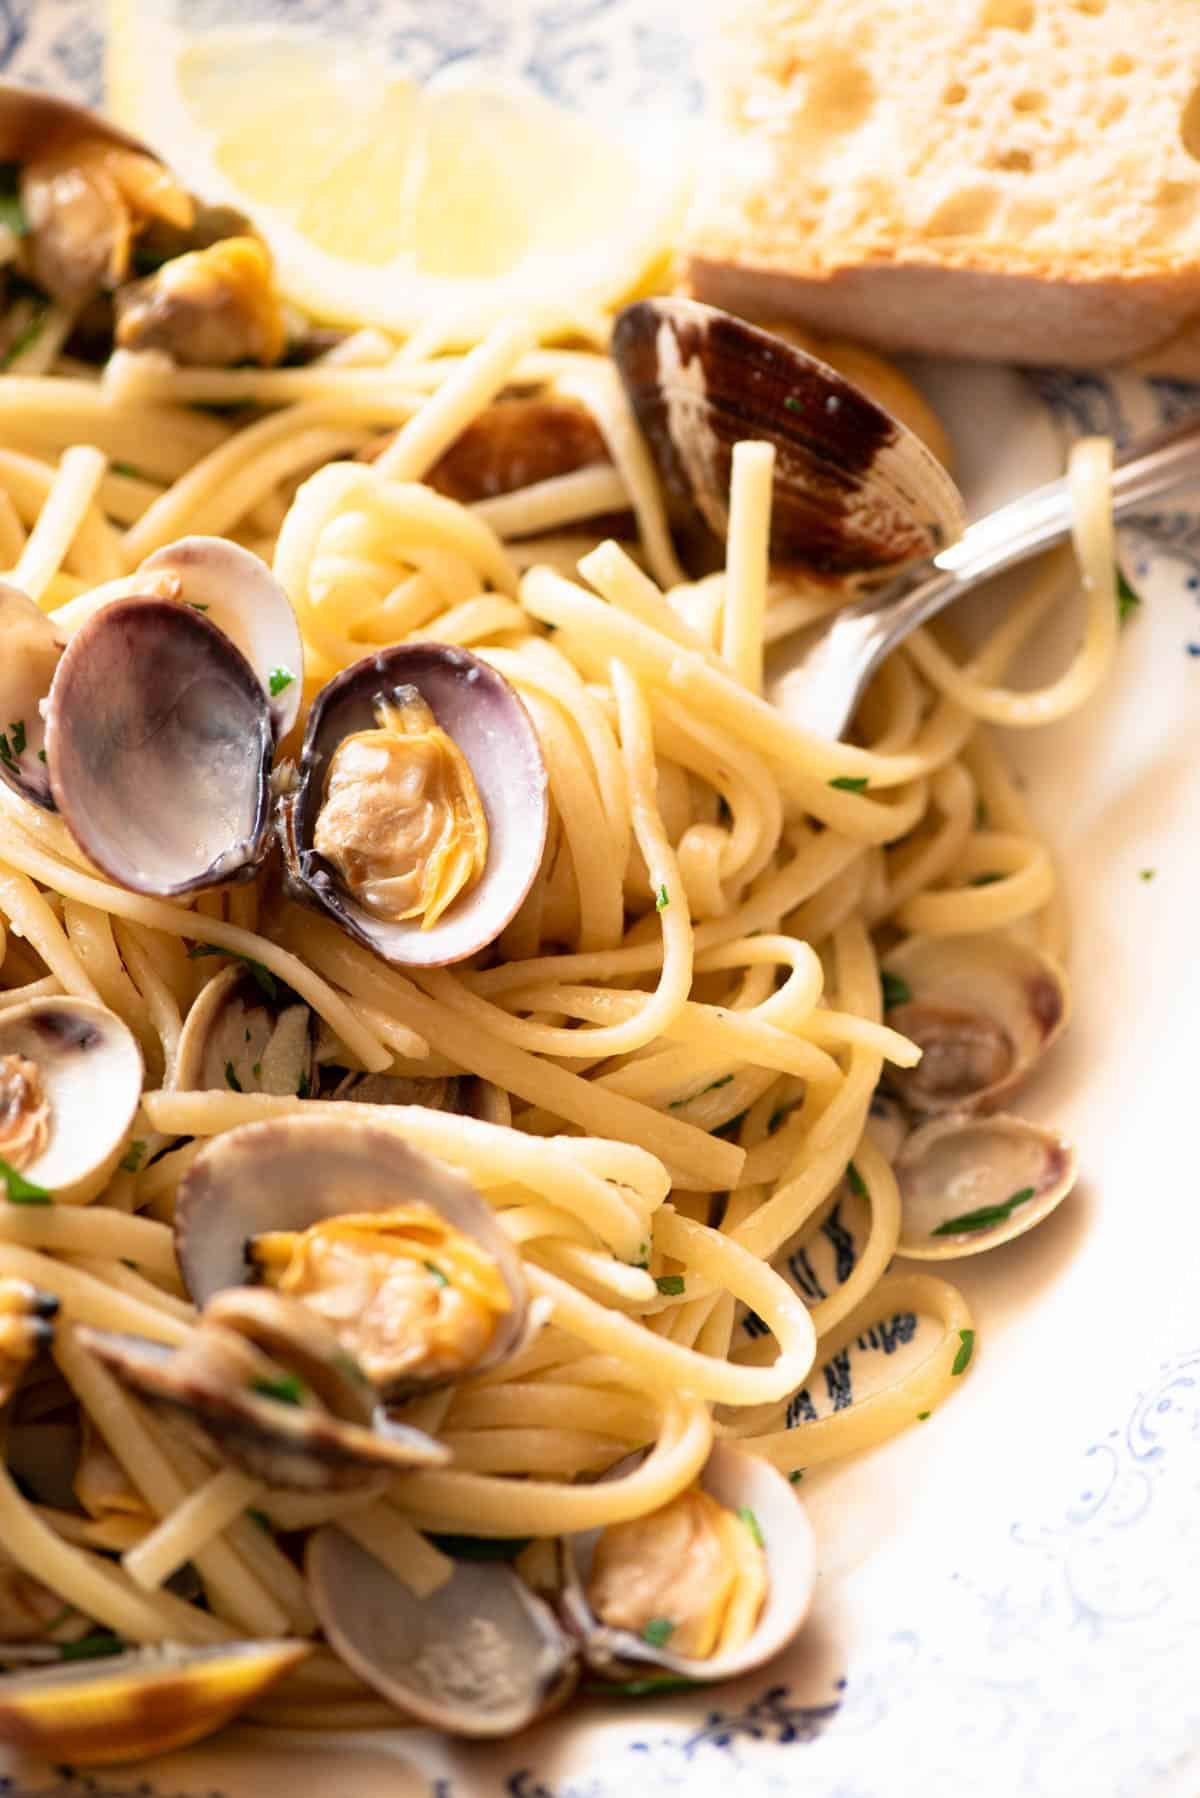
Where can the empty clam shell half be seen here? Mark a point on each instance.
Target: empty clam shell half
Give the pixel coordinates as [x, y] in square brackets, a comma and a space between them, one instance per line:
[29, 652]
[481, 714]
[247, 1032]
[983, 1010]
[480, 1656]
[855, 491]
[970, 1183]
[94, 1713]
[33, 123]
[237, 592]
[70, 1081]
[159, 745]
[291, 1173]
[756, 1498]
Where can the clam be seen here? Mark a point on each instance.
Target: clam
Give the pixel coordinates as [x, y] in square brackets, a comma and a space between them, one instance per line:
[855, 493]
[983, 1009]
[970, 1183]
[248, 1033]
[86, 190]
[213, 307]
[398, 1254]
[709, 1586]
[70, 1081]
[237, 592]
[419, 816]
[480, 1656]
[29, 652]
[159, 743]
[299, 1415]
[130, 1706]
[26, 1327]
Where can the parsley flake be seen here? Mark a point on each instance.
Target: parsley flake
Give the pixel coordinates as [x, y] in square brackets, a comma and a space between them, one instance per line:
[662, 899]
[127, 469]
[20, 1191]
[302, 1091]
[18, 736]
[1128, 602]
[1147, 873]
[670, 1285]
[985, 1217]
[279, 680]
[962, 1360]
[988, 879]
[792, 404]
[25, 338]
[93, 1647]
[922, 1415]
[850, 783]
[652, 1687]
[855, 1181]
[658, 1632]
[6, 754]
[193, 605]
[131, 1160]
[12, 213]
[796, 1475]
[895, 990]
[231, 1079]
[288, 1389]
[752, 1524]
[435, 1273]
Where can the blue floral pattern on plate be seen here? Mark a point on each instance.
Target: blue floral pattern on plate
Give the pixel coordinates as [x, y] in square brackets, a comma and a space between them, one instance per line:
[1066, 1666]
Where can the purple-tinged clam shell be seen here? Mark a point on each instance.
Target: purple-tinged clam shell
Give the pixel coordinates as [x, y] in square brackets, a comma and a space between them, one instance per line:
[479, 710]
[159, 746]
[238, 593]
[855, 491]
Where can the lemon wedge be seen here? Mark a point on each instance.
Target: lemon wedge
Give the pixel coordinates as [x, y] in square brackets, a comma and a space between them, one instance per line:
[390, 204]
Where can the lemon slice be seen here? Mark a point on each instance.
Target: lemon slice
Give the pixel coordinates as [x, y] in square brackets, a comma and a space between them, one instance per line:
[390, 204]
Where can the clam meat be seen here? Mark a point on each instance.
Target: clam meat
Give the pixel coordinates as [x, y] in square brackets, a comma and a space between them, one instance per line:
[210, 308]
[394, 1254]
[419, 815]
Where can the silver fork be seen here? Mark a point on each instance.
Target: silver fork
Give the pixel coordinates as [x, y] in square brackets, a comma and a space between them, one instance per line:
[819, 675]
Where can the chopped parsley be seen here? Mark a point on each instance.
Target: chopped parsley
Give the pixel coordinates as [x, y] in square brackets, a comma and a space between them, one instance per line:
[652, 1687]
[302, 1091]
[712, 1087]
[662, 899]
[93, 1647]
[127, 469]
[6, 754]
[266, 981]
[962, 1360]
[41, 755]
[752, 1524]
[18, 736]
[1147, 873]
[1128, 602]
[792, 404]
[262, 1520]
[131, 1160]
[256, 1070]
[193, 605]
[231, 1079]
[855, 1181]
[280, 679]
[796, 1475]
[12, 213]
[922, 1415]
[850, 783]
[658, 1632]
[482, 1548]
[895, 990]
[435, 1273]
[643, 1260]
[670, 1285]
[985, 1217]
[27, 336]
[988, 879]
[20, 1191]
[288, 1389]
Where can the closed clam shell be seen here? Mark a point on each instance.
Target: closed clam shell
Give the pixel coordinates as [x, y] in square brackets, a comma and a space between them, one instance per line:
[159, 744]
[95, 1713]
[480, 1656]
[480, 711]
[855, 491]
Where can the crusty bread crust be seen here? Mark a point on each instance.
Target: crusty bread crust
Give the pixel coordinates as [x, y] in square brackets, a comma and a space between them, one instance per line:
[948, 309]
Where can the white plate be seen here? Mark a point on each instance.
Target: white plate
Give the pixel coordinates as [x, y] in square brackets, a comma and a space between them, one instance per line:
[1010, 1594]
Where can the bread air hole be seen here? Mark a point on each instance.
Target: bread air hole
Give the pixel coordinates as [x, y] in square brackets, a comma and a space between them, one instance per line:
[1007, 15]
[1189, 124]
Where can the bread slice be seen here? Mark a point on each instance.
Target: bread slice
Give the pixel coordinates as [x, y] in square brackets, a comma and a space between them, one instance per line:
[1011, 179]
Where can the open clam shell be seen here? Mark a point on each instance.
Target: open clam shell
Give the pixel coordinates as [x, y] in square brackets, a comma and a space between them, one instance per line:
[855, 491]
[983, 1009]
[29, 652]
[970, 1183]
[481, 1656]
[247, 1033]
[478, 709]
[95, 1713]
[237, 592]
[159, 743]
[70, 1081]
[767, 1503]
[290, 1173]
[298, 1446]
[34, 123]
